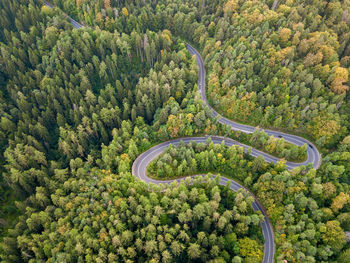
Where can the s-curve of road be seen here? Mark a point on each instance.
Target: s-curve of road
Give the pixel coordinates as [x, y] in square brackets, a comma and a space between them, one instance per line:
[139, 166]
[313, 155]
[139, 169]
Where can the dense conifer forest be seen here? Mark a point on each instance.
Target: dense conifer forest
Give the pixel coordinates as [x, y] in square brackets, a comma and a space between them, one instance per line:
[79, 106]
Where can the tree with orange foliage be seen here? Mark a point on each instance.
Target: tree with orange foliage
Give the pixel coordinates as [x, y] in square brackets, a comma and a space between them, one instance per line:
[107, 4]
[78, 3]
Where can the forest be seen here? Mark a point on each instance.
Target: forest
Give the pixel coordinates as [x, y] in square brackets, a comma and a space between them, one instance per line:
[79, 106]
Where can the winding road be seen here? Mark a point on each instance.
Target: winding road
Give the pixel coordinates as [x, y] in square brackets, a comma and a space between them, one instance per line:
[76, 24]
[139, 166]
[313, 156]
[139, 169]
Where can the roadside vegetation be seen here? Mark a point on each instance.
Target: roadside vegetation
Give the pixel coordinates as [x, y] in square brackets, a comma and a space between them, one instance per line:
[78, 106]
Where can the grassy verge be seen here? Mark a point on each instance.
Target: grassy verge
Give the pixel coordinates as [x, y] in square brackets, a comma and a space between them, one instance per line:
[293, 132]
[294, 160]
[284, 130]
[166, 178]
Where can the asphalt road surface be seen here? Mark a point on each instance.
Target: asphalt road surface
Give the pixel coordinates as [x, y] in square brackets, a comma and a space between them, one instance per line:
[313, 156]
[71, 20]
[139, 167]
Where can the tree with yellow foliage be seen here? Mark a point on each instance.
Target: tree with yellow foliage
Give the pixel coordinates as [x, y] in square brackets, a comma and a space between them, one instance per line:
[47, 10]
[284, 35]
[341, 75]
[251, 250]
[166, 35]
[340, 201]
[125, 11]
[334, 235]
[230, 7]
[324, 126]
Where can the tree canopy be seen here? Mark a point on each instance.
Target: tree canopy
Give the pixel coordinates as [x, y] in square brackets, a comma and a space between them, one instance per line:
[77, 107]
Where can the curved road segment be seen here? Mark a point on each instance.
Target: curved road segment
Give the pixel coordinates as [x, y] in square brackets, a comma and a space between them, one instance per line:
[139, 169]
[71, 20]
[139, 166]
[313, 156]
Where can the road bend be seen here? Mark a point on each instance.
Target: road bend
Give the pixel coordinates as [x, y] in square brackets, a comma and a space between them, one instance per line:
[139, 168]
